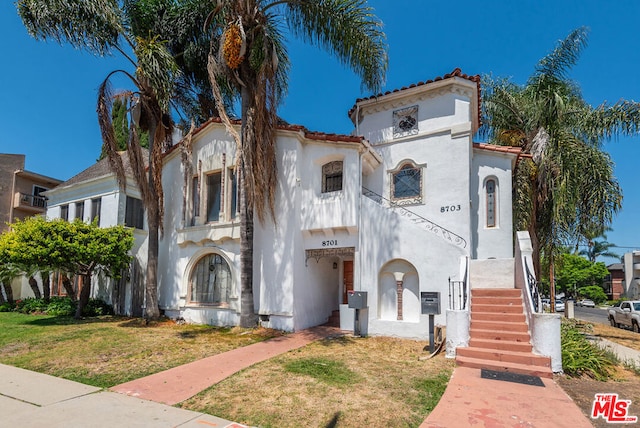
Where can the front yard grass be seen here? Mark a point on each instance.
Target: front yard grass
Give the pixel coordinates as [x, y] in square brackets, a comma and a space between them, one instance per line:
[345, 382]
[106, 351]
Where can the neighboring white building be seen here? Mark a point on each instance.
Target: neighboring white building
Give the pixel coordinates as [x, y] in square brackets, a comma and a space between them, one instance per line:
[94, 194]
[390, 210]
[631, 283]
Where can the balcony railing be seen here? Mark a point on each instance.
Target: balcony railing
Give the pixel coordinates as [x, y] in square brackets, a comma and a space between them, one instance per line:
[34, 201]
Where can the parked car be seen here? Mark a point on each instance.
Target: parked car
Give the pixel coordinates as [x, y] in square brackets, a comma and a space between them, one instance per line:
[559, 306]
[587, 303]
[626, 313]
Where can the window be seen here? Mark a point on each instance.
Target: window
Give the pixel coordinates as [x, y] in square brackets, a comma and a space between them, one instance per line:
[38, 199]
[64, 212]
[407, 182]
[195, 199]
[234, 195]
[80, 210]
[214, 193]
[134, 213]
[332, 177]
[96, 205]
[210, 281]
[490, 188]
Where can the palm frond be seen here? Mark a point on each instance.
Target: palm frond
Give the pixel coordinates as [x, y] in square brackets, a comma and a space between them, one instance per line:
[93, 25]
[556, 65]
[349, 30]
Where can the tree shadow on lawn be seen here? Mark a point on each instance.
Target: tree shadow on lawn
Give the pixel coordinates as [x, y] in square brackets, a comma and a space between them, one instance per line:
[66, 320]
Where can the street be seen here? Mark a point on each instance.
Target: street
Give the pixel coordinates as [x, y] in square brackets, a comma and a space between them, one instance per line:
[596, 314]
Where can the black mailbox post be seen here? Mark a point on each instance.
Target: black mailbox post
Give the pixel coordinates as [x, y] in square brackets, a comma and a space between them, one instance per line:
[430, 302]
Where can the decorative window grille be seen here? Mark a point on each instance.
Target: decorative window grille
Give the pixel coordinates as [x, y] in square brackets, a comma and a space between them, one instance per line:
[210, 282]
[332, 177]
[491, 202]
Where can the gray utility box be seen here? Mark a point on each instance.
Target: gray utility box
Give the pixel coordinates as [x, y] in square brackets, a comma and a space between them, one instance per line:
[357, 299]
[430, 302]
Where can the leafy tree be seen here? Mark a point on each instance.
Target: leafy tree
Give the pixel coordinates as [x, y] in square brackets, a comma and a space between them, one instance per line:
[103, 27]
[593, 292]
[575, 272]
[248, 55]
[77, 247]
[564, 185]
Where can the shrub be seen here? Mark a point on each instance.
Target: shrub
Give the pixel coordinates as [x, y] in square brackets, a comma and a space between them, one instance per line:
[61, 307]
[7, 307]
[97, 307]
[31, 305]
[581, 357]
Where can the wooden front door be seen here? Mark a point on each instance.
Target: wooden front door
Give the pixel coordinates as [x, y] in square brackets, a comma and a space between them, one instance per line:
[348, 279]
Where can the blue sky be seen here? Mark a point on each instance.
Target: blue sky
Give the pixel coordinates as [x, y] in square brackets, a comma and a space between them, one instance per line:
[48, 92]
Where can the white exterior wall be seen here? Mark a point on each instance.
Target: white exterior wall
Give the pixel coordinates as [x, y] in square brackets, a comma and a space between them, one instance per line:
[632, 275]
[491, 242]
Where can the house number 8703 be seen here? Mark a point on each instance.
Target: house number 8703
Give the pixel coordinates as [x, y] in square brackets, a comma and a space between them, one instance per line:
[450, 208]
[329, 243]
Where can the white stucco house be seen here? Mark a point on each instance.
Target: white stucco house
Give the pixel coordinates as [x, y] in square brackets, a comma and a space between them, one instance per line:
[394, 209]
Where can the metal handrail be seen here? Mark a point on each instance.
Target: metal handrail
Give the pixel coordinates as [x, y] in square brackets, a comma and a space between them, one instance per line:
[532, 288]
[416, 218]
[460, 289]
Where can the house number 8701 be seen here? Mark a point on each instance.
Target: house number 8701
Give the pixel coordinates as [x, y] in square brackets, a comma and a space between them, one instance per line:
[450, 208]
[329, 242]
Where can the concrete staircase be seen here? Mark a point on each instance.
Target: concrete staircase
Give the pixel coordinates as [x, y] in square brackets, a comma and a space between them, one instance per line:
[499, 335]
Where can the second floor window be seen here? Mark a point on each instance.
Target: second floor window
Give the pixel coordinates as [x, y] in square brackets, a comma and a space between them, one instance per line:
[134, 213]
[64, 212]
[96, 205]
[214, 195]
[80, 210]
[407, 182]
[332, 177]
[490, 188]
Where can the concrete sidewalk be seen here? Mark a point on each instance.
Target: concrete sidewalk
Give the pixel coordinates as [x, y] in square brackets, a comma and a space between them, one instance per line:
[30, 400]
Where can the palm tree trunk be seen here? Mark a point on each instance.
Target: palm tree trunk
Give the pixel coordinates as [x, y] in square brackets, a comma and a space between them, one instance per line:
[248, 317]
[152, 312]
[8, 291]
[33, 283]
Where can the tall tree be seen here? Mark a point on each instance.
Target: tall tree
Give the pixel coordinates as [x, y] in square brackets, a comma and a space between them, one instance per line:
[564, 185]
[103, 27]
[248, 55]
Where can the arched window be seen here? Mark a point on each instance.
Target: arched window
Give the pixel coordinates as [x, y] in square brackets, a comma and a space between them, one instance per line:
[332, 177]
[407, 182]
[210, 281]
[490, 189]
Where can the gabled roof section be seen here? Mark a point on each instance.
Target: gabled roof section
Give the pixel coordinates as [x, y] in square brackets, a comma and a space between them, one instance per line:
[102, 168]
[310, 135]
[455, 73]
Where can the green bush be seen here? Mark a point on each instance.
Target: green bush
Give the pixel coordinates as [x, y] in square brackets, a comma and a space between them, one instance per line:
[593, 292]
[580, 356]
[31, 305]
[97, 307]
[7, 307]
[61, 307]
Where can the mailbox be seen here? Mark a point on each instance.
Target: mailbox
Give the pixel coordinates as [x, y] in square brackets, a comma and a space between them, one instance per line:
[430, 301]
[357, 299]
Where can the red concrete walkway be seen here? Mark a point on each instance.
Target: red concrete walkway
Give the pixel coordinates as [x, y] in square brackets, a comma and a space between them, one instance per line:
[471, 401]
[180, 383]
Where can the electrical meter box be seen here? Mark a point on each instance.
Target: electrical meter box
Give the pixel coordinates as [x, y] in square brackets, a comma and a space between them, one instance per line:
[357, 299]
[430, 302]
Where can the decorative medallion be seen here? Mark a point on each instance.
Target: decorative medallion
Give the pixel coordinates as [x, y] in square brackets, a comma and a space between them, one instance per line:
[405, 122]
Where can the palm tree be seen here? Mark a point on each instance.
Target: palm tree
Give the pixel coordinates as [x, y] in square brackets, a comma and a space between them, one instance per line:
[598, 248]
[106, 26]
[248, 56]
[564, 185]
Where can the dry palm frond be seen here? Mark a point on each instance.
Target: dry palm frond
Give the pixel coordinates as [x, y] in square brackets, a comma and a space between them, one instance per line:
[186, 150]
[109, 141]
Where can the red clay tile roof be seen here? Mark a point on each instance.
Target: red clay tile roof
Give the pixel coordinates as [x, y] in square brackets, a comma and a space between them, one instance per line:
[311, 135]
[455, 73]
[496, 148]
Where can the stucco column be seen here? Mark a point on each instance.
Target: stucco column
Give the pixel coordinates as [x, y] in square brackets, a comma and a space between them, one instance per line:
[399, 276]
